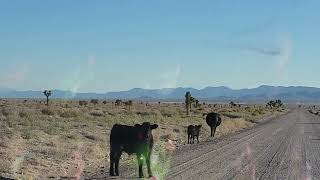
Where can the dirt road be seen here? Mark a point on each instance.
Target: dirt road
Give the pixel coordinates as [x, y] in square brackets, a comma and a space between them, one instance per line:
[287, 147]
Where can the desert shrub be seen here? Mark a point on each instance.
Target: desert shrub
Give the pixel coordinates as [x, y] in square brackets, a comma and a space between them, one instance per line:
[6, 111]
[96, 113]
[176, 130]
[143, 113]
[69, 113]
[168, 113]
[47, 112]
[27, 134]
[89, 136]
[23, 114]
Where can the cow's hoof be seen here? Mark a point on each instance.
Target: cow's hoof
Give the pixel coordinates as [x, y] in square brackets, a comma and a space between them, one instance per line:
[141, 177]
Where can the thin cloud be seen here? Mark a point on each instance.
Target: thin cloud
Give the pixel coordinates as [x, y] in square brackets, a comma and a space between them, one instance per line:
[283, 60]
[82, 76]
[263, 51]
[170, 78]
[271, 52]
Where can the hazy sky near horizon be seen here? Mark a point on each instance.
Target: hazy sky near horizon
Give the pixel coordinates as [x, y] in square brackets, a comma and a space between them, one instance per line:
[110, 45]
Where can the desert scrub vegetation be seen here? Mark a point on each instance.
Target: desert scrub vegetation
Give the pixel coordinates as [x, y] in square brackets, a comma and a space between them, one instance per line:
[66, 138]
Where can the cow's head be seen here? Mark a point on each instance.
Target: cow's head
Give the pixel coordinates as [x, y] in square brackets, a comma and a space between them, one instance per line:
[144, 131]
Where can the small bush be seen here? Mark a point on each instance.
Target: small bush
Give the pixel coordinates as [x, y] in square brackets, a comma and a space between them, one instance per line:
[96, 113]
[7, 111]
[69, 114]
[23, 114]
[168, 113]
[89, 136]
[176, 130]
[47, 112]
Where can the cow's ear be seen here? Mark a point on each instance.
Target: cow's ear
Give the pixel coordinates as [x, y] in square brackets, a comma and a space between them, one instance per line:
[154, 126]
[199, 126]
[137, 125]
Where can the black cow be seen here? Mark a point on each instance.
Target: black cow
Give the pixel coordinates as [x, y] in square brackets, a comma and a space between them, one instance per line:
[213, 120]
[193, 131]
[136, 139]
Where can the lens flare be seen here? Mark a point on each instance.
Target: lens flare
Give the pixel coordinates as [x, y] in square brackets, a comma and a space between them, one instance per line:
[78, 163]
[160, 160]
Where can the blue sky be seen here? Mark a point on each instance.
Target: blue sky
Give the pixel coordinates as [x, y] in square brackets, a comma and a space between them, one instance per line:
[103, 46]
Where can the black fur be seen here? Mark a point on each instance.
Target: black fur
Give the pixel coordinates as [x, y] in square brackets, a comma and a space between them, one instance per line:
[136, 139]
[193, 131]
[213, 120]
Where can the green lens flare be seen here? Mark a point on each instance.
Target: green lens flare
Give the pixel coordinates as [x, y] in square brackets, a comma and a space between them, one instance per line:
[160, 162]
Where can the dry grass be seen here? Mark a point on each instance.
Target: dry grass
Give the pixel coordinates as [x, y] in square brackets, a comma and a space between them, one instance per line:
[66, 140]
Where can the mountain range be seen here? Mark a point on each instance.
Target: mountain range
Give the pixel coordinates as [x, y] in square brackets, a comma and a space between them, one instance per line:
[260, 94]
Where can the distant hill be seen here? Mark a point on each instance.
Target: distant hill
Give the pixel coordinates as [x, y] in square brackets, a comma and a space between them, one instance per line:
[222, 93]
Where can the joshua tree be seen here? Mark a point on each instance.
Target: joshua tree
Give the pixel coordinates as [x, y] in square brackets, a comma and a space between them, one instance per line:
[232, 104]
[277, 103]
[47, 93]
[130, 102]
[118, 102]
[188, 102]
[195, 102]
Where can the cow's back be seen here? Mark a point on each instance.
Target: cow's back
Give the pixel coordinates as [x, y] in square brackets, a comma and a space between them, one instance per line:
[121, 134]
[213, 119]
[190, 129]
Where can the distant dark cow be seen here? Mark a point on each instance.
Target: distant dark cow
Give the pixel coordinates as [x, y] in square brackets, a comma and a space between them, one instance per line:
[213, 120]
[136, 139]
[193, 131]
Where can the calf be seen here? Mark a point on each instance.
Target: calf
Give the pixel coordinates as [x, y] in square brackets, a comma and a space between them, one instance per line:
[193, 131]
[213, 120]
[136, 139]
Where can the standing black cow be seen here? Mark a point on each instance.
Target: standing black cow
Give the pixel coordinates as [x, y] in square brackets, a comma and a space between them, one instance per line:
[193, 131]
[213, 120]
[136, 139]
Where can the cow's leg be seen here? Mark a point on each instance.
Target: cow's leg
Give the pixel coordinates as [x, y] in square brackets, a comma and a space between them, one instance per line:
[149, 164]
[211, 131]
[192, 139]
[140, 163]
[188, 138]
[198, 138]
[214, 130]
[112, 162]
[118, 155]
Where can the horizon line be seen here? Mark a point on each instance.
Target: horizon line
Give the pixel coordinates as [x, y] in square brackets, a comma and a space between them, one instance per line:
[10, 89]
